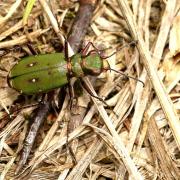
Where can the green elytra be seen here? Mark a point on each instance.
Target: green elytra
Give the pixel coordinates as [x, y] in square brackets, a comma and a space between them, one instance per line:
[42, 73]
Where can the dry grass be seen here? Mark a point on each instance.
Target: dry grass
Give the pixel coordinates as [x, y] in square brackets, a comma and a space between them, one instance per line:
[135, 133]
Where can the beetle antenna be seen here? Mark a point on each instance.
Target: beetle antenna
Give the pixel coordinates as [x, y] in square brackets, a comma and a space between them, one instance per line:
[122, 73]
[122, 47]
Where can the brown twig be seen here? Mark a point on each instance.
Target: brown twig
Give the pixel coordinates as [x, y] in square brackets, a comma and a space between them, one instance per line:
[81, 24]
[30, 138]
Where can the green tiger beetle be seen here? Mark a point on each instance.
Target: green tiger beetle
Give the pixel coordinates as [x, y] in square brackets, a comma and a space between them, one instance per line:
[43, 73]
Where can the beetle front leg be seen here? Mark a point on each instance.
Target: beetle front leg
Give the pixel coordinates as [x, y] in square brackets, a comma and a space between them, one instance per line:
[72, 95]
[84, 51]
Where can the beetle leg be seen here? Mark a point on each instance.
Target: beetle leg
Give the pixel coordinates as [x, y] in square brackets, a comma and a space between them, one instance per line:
[66, 52]
[66, 49]
[90, 92]
[87, 47]
[91, 52]
[71, 94]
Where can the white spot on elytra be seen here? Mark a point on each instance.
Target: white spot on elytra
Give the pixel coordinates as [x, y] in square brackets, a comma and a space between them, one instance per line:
[33, 80]
[31, 64]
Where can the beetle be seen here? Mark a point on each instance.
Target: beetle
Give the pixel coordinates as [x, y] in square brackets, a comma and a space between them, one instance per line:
[45, 72]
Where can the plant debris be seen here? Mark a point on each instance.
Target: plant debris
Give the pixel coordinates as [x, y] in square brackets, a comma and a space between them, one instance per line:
[135, 133]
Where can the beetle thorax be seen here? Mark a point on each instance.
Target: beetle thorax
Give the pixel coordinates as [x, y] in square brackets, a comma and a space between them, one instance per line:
[76, 65]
